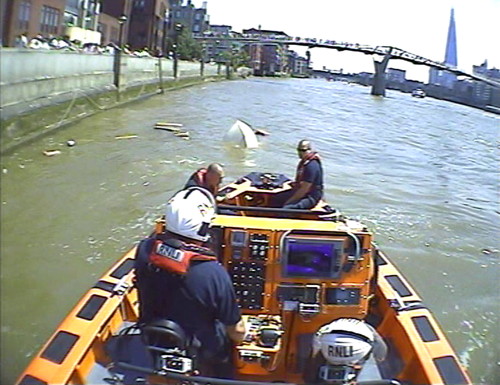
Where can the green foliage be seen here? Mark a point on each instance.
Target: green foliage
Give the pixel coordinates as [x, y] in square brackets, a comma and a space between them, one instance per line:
[187, 47]
[237, 57]
[241, 59]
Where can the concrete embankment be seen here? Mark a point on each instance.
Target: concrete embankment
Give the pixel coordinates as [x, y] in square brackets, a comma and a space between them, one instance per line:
[44, 90]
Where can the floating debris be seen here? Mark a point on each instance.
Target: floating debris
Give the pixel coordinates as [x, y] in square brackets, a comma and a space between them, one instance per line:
[182, 134]
[168, 128]
[164, 124]
[71, 143]
[126, 136]
[189, 161]
[467, 324]
[51, 152]
[261, 132]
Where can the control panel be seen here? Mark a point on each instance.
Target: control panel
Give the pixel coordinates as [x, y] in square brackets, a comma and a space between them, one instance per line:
[259, 245]
[342, 296]
[298, 292]
[311, 273]
[247, 267]
[248, 281]
[259, 352]
[290, 278]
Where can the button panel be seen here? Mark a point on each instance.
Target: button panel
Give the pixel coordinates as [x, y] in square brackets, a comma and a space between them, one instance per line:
[258, 247]
[248, 281]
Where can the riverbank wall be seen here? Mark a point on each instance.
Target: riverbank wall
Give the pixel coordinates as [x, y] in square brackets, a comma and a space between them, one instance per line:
[44, 90]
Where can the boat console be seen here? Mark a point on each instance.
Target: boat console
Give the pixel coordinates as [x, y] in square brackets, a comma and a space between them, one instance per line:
[263, 194]
[275, 268]
[301, 277]
[293, 271]
[291, 276]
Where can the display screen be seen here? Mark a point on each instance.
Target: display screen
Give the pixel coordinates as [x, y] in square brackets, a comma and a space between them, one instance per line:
[238, 238]
[315, 258]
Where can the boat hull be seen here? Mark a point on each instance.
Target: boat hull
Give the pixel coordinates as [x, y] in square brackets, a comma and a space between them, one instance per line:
[77, 345]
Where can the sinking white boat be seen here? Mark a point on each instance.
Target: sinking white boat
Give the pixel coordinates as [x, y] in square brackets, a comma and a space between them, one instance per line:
[241, 134]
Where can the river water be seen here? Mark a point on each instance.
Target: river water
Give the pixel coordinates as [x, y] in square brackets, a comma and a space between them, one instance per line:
[422, 173]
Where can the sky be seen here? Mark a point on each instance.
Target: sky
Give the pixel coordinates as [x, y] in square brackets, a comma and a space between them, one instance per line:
[416, 26]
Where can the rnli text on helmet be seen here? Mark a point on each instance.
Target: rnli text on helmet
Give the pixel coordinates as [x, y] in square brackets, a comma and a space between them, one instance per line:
[340, 351]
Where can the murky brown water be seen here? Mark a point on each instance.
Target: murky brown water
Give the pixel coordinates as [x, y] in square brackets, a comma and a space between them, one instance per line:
[422, 173]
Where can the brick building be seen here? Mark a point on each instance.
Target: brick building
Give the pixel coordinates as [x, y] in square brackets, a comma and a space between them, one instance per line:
[147, 25]
[108, 20]
[267, 59]
[194, 20]
[297, 65]
[31, 17]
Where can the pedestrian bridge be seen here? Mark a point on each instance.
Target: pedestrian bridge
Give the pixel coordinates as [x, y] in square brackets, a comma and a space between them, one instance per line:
[388, 52]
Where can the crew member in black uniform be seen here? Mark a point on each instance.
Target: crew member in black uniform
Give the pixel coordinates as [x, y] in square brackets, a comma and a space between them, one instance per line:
[308, 186]
[180, 280]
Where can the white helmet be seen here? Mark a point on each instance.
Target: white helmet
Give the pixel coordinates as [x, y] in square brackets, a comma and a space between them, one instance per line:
[345, 341]
[189, 213]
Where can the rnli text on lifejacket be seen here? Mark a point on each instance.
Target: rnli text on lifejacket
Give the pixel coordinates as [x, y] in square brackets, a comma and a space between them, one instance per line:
[170, 252]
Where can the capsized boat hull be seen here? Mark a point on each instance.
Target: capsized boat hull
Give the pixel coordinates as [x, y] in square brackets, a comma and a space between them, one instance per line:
[241, 135]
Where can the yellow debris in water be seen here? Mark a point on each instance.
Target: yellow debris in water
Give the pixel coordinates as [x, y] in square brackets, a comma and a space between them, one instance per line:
[126, 136]
[51, 152]
[167, 128]
[169, 124]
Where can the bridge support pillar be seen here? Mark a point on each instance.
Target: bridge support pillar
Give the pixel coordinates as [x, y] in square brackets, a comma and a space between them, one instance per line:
[378, 87]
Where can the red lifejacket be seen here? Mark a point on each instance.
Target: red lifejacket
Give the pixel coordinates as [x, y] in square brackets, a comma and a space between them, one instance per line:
[200, 178]
[302, 164]
[176, 256]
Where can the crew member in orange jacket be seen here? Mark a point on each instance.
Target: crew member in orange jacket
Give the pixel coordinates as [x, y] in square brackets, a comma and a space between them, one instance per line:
[208, 178]
[308, 186]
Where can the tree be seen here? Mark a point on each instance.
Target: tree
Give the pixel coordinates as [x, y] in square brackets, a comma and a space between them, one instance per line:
[237, 57]
[187, 47]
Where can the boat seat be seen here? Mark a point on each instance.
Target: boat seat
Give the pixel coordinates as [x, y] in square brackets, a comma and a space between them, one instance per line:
[139, 347]
[164, 334]
[127, 347]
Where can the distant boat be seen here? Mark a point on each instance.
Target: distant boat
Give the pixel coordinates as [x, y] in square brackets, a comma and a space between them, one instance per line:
[242, 134]
[418, 93]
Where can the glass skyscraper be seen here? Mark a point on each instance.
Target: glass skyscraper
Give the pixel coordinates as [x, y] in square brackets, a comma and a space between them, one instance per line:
[444, 78]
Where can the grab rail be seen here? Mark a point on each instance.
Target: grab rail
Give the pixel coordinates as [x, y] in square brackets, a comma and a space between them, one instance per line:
[278, 210]
[220, 381]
